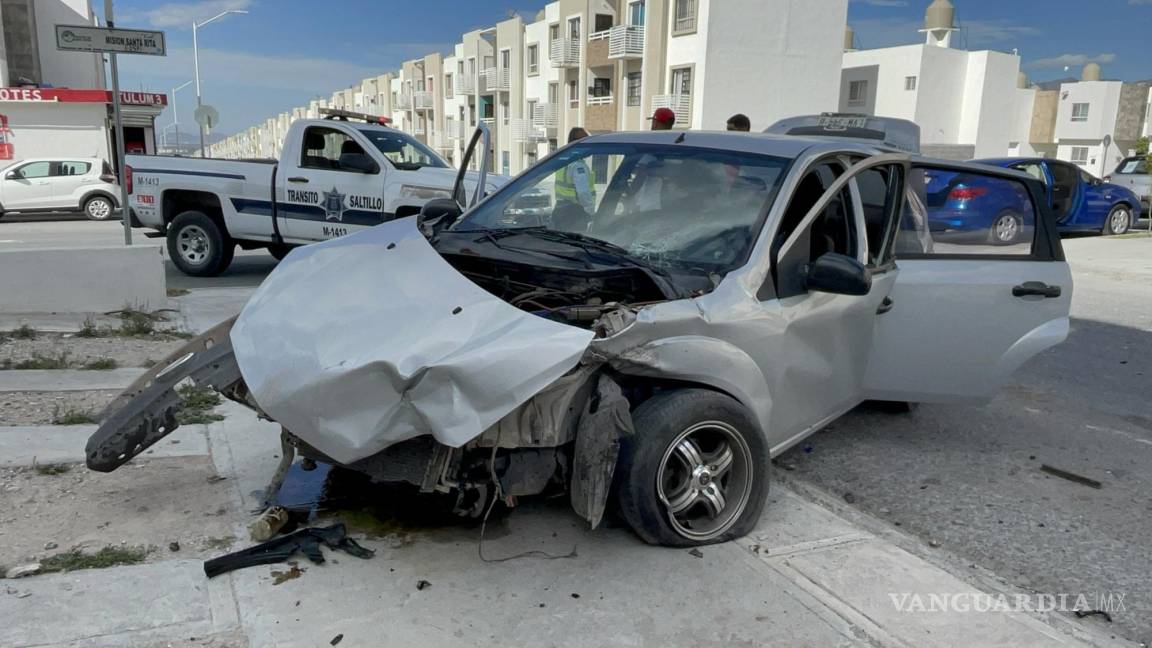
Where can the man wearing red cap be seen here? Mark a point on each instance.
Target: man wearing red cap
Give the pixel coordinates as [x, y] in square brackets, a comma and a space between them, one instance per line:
[663, 119]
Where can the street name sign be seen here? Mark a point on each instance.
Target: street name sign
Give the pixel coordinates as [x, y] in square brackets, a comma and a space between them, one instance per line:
[85, 38]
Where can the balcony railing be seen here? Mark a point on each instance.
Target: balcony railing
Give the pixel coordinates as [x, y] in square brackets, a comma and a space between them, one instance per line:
[680, 104]
[465, 83]
[605, 100]
[418, 129]
[454, 128]
[525, 130]
[403, 101]
[546, 116]
[495, 79]
[423, 100]
[488, 121]
[626, 41]
[565, 53]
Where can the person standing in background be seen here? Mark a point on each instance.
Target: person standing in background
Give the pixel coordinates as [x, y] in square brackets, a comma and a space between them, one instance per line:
[739, 122]
[663, 119]
[575, 183]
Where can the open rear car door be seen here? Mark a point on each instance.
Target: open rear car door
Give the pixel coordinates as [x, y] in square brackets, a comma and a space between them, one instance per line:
[966, 313]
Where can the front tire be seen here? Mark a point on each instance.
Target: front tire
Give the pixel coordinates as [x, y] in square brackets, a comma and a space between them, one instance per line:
[695, 472]
[98, 208]
[1119, 221]
[198, 246]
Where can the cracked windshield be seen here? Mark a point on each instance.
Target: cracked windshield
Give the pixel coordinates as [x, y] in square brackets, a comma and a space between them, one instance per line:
[692, 209]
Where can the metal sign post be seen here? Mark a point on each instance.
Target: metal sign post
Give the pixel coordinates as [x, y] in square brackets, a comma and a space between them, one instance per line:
[86, 38]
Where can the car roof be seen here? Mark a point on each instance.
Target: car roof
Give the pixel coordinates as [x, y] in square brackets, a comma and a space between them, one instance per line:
[785, 146]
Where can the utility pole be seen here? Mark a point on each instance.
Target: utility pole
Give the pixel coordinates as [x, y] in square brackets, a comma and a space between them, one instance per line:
[125, 211]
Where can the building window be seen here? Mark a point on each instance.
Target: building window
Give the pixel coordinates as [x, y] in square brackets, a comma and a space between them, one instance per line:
[449, 89]
[504, 112]
[682, 82]
[857, 92]
[685, 17]
[553, 93]
[1079, 112]
[532, 103]
[634, 89]
[573, 94]
[505, 59]
[533, 59]
[574, 28]
[601, 87]
[636, 13]
[1080, 153]
[505, 162]
[910, 83]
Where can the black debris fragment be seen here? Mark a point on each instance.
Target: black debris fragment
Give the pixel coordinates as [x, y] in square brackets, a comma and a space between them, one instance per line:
[277, 550]
[1080, 614]
[173, 546]
[335, 640]
[850, 498]
[575, 595]
[696, 552]
[1070, 476]
[423, 584]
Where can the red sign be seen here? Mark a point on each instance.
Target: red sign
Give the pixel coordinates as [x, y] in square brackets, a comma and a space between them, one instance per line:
[7, 150]
[70, 95]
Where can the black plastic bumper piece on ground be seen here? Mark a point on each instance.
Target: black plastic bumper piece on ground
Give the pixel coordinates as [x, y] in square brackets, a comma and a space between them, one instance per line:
[146, 411]
[278, 550]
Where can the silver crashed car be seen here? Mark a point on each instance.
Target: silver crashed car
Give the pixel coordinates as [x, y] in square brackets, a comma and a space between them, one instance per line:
[727, 295]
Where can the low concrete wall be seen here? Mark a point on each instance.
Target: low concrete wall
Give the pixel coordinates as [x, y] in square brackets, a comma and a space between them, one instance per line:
[81, 279]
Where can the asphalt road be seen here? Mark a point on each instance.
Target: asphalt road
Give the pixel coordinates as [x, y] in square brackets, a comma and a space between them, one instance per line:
[965, 479]
[968, 478]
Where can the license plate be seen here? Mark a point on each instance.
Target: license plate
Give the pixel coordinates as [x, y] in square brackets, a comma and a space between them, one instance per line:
[842, 123]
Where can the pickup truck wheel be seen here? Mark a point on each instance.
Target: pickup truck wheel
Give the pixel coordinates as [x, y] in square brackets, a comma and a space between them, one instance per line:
[695, 472]
[197, 246]
[1119, 220]
[98, 208]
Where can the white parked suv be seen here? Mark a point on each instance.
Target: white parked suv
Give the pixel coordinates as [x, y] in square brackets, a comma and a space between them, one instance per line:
[60, 184]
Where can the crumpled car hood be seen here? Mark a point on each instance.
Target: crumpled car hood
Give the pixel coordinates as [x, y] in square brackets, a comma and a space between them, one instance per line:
[364, 341]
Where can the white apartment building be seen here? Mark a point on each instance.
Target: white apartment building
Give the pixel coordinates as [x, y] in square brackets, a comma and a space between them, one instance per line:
[962, 100]
[1098, 122]
[607, 65]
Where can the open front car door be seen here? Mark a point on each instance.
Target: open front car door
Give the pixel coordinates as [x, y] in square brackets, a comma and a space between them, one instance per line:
[992, 290]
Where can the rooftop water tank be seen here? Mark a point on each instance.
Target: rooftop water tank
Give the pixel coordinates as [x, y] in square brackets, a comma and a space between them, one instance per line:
[940, 15]
[1091, 72]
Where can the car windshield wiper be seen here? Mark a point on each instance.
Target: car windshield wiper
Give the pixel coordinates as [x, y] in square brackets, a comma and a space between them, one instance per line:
[591, 244]
[494, 236]
[409, 166]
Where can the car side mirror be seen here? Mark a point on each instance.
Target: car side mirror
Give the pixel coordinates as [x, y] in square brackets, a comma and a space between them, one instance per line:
[13, 175]
[838, 274]
[359, 162]
[436, 214]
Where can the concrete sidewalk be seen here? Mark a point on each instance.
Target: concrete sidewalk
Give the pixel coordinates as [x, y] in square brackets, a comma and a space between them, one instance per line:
[67, 379]
[807, 576]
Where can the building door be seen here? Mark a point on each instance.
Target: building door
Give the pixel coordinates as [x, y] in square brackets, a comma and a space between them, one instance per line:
[636, 13]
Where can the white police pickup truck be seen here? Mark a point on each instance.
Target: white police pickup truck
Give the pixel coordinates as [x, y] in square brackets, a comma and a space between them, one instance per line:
[335, 176]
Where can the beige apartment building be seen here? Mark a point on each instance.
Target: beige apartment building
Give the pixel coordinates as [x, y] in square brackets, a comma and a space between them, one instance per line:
[605, 65]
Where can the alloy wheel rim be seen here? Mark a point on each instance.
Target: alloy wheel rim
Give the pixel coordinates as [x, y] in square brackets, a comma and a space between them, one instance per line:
[1006, 228]
[704, 480]
[193, 244]
[1120, 220]
[99, 209]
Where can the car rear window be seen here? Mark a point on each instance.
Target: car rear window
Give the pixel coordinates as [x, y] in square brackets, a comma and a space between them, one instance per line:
[1133, 165]
[73, 168]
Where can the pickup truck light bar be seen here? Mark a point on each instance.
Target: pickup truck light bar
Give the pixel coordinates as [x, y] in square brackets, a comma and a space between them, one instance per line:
[346, 115]
[885, 132]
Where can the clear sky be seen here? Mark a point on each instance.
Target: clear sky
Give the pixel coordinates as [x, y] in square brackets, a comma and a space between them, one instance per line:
[285, 52]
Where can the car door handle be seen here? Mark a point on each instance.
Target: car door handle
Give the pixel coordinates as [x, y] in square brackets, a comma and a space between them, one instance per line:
[298, 179]
[1036, 289]
[885, 306]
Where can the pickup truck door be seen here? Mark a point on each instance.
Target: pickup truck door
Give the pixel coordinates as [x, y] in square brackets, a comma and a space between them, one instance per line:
[964, 315]
[28, 186]
[334, 188]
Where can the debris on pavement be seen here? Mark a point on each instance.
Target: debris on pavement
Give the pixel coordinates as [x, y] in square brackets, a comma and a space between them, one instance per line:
[174, 546]
[1070, 476]
[335, 640]
[20, 571]
[423, 584]
[268, 524]
[1080, 614]
[934, 543]
[277, 550]
[292, 573]
[106, 557]
[850, 498]
[696, 552]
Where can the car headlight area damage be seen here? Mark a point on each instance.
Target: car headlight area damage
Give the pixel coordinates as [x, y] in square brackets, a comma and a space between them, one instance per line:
[374, 353]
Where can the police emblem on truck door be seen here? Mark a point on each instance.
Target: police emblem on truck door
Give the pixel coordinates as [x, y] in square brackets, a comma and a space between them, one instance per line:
[333, 205]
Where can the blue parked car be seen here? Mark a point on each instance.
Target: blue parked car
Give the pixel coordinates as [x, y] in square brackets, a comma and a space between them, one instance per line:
[964, 206]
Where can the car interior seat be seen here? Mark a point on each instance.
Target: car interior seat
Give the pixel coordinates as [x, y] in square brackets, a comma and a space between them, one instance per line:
[313, 142]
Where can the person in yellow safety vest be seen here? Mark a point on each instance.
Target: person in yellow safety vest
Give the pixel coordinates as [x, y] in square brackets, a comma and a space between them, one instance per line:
[576, 183]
